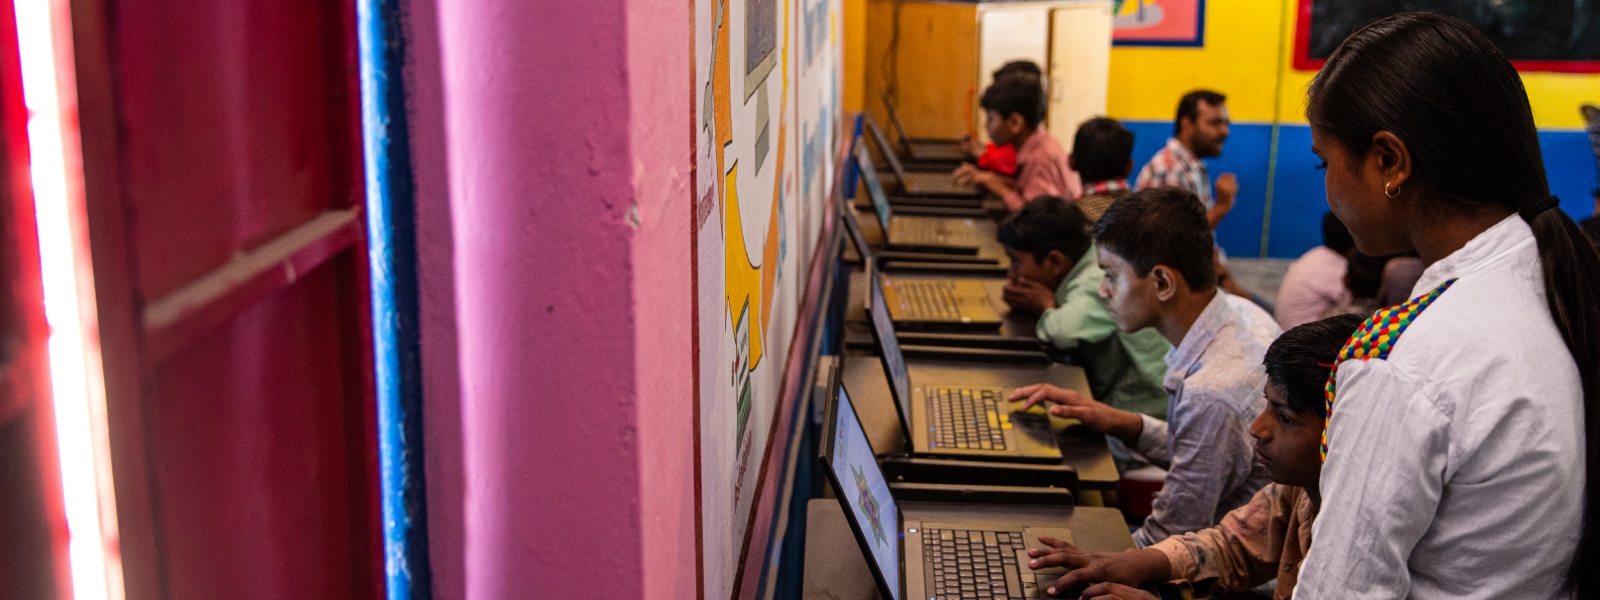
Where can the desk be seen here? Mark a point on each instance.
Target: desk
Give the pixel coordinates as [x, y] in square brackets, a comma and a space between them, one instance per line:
[863, 375]
[836, 569]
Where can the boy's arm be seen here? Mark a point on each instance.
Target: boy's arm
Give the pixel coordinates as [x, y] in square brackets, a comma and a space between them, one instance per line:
[1209, 449]
[1079, 319]
[1240, 553]
[1387, 452]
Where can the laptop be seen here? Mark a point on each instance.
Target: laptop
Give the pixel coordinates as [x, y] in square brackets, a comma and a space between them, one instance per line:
[923, 148]
[967, 420]
[924, 559]
[938, 184]
[940, 304]
[921, 234]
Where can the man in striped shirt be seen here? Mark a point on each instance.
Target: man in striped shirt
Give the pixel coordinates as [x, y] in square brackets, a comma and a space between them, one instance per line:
[1198, 132]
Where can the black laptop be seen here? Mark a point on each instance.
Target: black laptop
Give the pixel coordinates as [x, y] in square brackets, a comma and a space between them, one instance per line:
[938, 184]
[968, 419]
[942, 150]
[924, 559]
[919, 233]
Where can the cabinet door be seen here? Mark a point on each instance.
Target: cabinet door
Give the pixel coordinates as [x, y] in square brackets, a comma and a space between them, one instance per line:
[1080, 65]
[223, 188]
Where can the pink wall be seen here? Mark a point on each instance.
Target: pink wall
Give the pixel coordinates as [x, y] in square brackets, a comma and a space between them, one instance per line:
[658, 76]
[551, 147]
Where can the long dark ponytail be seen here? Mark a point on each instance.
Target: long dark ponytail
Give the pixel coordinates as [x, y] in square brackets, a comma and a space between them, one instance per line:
[1444, 89]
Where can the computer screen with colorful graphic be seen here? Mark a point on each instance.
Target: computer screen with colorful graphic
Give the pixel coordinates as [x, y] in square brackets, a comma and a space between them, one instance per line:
[864, 489]
[869, 175]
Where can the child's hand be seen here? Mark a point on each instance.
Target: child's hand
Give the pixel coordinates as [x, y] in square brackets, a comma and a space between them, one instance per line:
[970, 174]
[1072, 405]
[1116, 591]
[1131, 567]
[971, 146]
[1027, 295]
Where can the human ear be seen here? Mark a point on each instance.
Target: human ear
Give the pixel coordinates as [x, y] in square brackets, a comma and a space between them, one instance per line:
[1166, 281]
[1390, 160]
[1057, 263]
[1016, 123]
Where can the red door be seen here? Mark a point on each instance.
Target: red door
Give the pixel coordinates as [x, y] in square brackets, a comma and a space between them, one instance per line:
[222, 168]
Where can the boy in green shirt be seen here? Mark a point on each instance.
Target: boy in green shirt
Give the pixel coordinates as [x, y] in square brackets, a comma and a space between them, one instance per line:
[1054, 274]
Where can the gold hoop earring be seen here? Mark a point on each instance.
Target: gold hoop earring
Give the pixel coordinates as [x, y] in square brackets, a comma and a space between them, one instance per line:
[1386, 193]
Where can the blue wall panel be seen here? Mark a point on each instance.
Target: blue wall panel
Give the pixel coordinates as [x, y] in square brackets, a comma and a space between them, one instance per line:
[1300, 196]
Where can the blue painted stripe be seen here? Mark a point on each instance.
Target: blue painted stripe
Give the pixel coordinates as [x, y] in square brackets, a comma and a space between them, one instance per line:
[391, 238]
[1299, 195]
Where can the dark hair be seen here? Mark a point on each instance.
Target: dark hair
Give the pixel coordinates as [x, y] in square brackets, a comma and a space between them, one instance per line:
[1298, 362]
[1101, 149]
[1018, 67]
[1021, 94]
[1444, 90]
[1044, 224]
[1591, 227]
[1189, 106]
[1335, 236]
[1161, 226]
[1363, 275]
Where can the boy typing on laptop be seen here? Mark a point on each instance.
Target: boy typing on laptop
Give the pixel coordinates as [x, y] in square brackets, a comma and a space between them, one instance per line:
[1155, 247]
[1265, 539]
[1054, 274]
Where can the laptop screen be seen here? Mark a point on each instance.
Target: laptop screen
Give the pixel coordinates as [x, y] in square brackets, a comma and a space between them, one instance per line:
[852, 227]
[894, 362]
[869, 174]
[888, 151]
[861, 484]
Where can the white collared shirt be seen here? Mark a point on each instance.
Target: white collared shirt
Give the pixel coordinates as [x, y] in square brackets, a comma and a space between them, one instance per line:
[1456, 466]
[1214, 388]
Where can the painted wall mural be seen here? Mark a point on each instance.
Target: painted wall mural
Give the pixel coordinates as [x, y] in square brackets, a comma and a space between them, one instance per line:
[767, 85]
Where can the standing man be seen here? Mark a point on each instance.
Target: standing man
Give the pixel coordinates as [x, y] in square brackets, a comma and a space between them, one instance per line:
[1198, 132]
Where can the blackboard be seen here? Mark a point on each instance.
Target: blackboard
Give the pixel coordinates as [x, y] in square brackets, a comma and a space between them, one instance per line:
[1541, 34]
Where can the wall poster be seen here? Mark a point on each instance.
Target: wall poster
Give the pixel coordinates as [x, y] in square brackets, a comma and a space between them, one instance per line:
[1158, 23]
[765, 107]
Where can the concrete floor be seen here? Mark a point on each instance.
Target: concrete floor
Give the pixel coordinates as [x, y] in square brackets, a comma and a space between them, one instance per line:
[1260, 275]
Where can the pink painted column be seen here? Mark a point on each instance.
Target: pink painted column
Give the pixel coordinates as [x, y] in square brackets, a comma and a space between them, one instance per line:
[541, 183]
[551, 142]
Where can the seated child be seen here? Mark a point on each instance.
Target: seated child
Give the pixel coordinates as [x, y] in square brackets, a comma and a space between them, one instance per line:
[1001, 159]
[1014, 114]
[1155, 247]
[1264, 539]
[1102, 154]
[1315, 281]
[1054, 275]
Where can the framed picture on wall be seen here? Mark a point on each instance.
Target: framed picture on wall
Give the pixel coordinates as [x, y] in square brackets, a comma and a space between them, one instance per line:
[1159, 23]
[1537, 35]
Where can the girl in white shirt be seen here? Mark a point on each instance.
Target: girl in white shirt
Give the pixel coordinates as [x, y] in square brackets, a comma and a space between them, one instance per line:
[1461, 423]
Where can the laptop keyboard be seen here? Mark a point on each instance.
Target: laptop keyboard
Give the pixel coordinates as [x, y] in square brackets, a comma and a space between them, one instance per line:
[920, 231]
[973, 564]
[928, 299]
[967, 418]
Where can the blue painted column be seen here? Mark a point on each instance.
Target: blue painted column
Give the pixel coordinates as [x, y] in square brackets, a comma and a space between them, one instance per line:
[391, 238]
